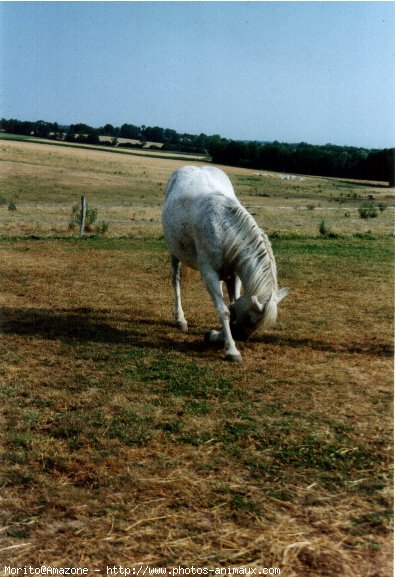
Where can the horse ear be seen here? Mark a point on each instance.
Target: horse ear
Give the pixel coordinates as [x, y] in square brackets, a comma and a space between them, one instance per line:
[256, 305]
[280, 294]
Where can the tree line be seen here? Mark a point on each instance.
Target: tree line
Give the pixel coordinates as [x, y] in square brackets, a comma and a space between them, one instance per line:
[83, 133]
[326, 160]
[302, 158]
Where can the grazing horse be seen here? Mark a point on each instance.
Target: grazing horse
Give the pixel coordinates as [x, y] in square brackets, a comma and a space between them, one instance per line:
[207, 229]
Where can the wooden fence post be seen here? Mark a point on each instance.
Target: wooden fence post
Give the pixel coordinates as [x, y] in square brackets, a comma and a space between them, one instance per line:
[83, 213]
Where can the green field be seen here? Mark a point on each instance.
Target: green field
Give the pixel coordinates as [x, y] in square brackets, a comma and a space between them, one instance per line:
[126, 442]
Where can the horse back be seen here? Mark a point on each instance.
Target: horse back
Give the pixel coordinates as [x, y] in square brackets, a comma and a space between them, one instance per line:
[197, 181]
[194, 213]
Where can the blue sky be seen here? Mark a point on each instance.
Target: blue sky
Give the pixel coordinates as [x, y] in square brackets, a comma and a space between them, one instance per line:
[316, 72]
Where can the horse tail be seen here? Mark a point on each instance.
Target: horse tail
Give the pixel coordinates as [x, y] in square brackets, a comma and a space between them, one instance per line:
[188, 274]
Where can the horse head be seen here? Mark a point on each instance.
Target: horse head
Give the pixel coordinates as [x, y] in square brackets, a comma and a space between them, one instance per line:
[248, 314]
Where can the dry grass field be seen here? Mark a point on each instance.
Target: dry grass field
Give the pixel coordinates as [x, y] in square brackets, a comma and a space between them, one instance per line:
[127, 443]
[46, 180]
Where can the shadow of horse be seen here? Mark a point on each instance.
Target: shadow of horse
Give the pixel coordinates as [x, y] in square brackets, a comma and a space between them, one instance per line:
[373, 347]
[86, 324]
[80, 324]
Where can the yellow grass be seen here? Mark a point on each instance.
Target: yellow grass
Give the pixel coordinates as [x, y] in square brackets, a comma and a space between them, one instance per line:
[125, 442]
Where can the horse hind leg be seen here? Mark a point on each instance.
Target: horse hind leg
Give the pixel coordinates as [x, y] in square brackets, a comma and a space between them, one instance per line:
[179, 317]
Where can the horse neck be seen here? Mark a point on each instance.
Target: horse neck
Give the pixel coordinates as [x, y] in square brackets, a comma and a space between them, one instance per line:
[257, 269]
[249, 253]
[254, 284]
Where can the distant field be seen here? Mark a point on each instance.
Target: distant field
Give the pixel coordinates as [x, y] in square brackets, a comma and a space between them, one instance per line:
[125, 442]
[146, 151]
[45, 181]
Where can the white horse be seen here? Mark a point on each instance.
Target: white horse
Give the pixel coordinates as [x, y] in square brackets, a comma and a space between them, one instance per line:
[207, 229]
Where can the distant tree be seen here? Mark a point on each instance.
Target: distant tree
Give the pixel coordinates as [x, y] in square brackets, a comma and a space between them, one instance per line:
[154, 134]
[129, 131]
[217, 148]
[70, 134]
[42, 129]
[108, 130]
[380, 165]
[202, 140]
[14, 126]
[56, 133]
[83, 128]
[92, 139]
[171, 136]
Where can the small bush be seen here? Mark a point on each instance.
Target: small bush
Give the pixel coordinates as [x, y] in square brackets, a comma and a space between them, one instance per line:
[12, 205]
[91, 214]
[102, 228]
[368, 235]
[382, 206]
[367, 211]
[325, 231]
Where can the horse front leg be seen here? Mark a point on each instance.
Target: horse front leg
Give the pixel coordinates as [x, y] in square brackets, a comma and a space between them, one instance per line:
[179, 318]
[213, 285]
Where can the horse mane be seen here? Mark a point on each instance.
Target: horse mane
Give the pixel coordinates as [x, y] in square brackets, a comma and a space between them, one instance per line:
[249, 245]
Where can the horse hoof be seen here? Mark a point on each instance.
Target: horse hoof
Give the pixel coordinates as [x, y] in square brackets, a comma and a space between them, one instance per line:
[212, 342]
[234, 358]
[183, 327]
